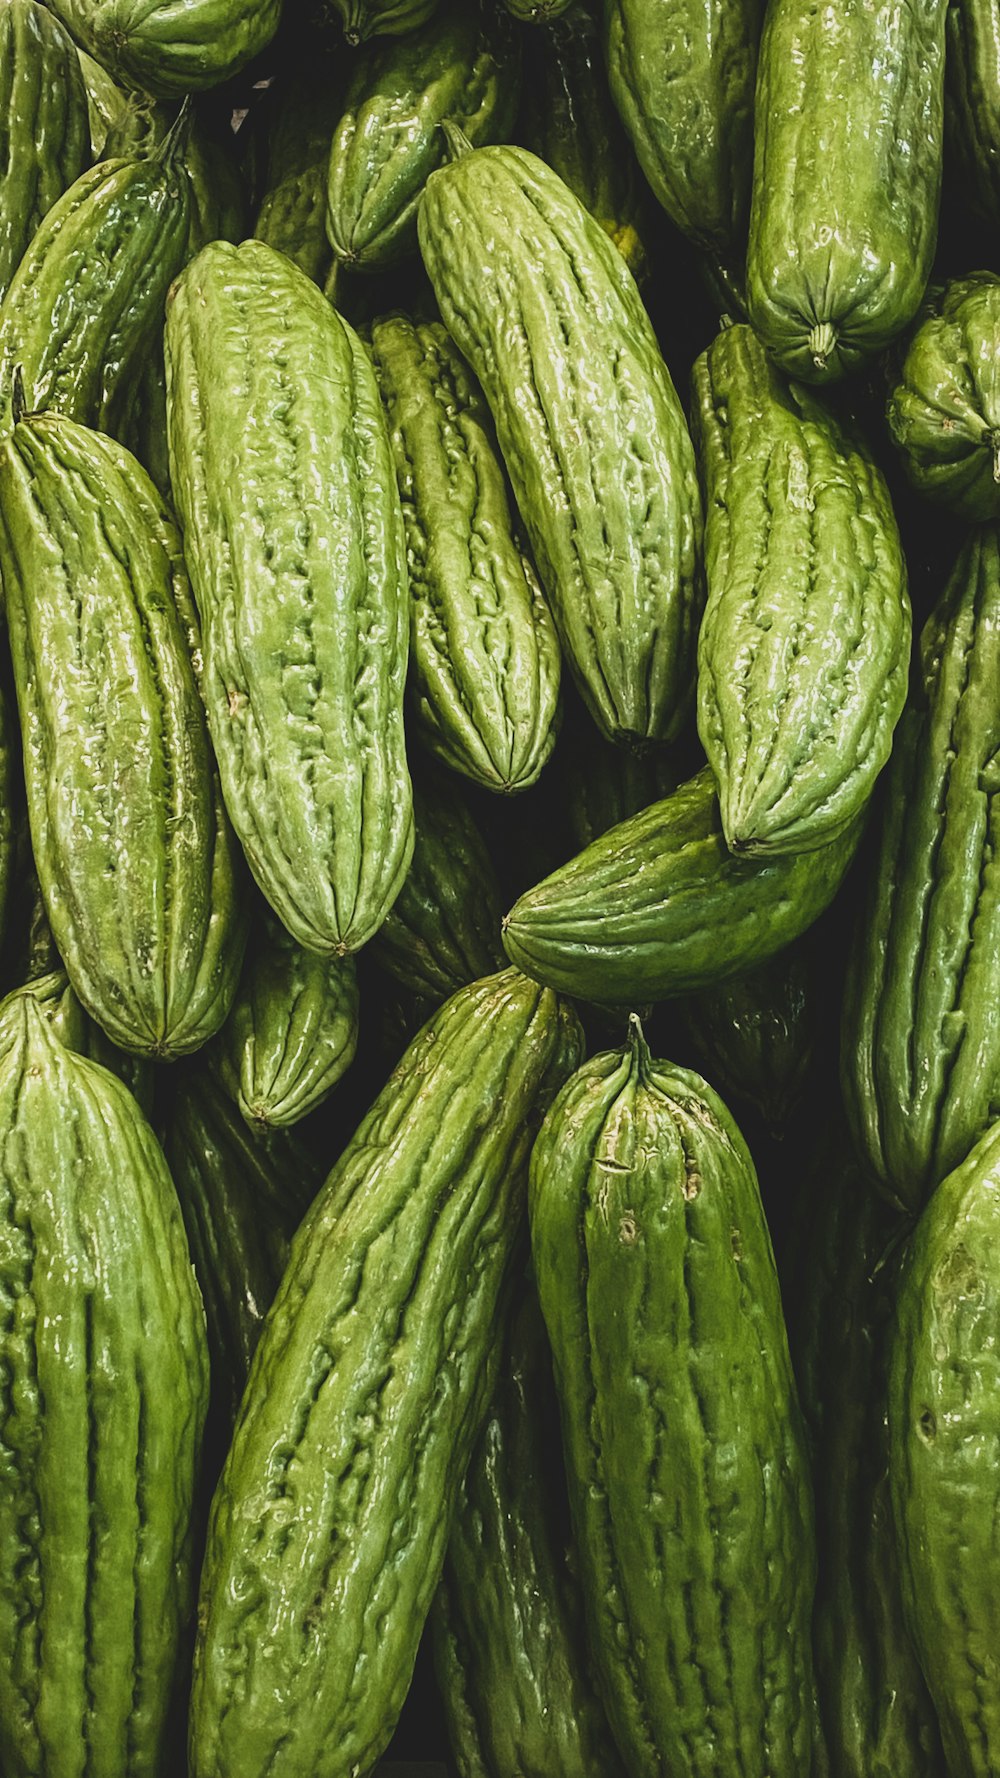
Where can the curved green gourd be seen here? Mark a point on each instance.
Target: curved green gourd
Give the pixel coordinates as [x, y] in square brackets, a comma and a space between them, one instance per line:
[360, 19]
[484, 655]
[102, 1396]
[920, 1040]
[291, 214]
[292, 1030]
[138, 866]
[944, 411]
[659, 906]
[507, 1622]
[171, 47]
[972, 104]
[588, 421]
[283, 478]
[847, 178]
[805, 643]
[685, 1454]
[682, 76]
[368, 1388]
[43, 102]
[944, 1386]
[462, 66]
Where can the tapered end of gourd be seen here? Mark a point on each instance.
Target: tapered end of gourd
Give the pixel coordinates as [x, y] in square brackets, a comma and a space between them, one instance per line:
[638, 1046]
[457, 140]
[994, 444]
[822, 344]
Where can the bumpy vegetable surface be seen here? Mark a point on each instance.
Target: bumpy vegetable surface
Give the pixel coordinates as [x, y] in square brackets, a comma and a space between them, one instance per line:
[944, 412]
[972, 103]
[46, 124]
[102, 1393]
[944, 1387]
[170, 47]
[805, 643]
[920, 1054]
[685, 1455]
[367, 1388]
[284, 483]
[659, 905]
[138, 865]
[588, 422]
[484, 655]
[847, 177]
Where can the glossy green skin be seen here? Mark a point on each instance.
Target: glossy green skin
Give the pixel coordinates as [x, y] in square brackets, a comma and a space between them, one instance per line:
[291, 216]
[685, 1455]
[805, 643]
[944, 413]
[104, 1386]
[76, 1031]
[106, 102]
[444, 928]
[484, 655]
[659, 906]
[568, 120]
[361, 19]
[847, 177]
[367, 1392]
[682, 76]
[920, 1041]
[509, 1653]
[389, 136]
[944, 1387]
[293, 1028]
[757, 1035]
[46, 142]
[83, 307]
[972, 104]
[171, 47]
[876, 1715]
[284, 484]
[138, 865]
[588, 421]
[10, 798]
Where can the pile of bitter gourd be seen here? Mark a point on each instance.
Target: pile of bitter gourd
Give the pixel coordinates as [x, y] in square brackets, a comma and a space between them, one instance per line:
[465, 468]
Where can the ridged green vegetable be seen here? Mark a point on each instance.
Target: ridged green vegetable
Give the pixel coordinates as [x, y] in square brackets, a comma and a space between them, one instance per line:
[805, 643]
[944, 1390]
[283, 478]
[291, 215]
[600, 784]
[685, 1454]
[876, 1716]
[464, 66]
[944, 412]
[102, 1397]
[507, 1620]
[444, 927]
[588, 421]
[757, 1035]
[293, 1028]
[87, 299]
[377, 18]
[682, 76]
[46, 124]
[368, 1389]
[484, 654]
[659, 906]
[920, 1052]
[972, 104]
[170, 47]
[137, 862]
[106, 102]
[60, 1006]
[10, 798]
[847, 177]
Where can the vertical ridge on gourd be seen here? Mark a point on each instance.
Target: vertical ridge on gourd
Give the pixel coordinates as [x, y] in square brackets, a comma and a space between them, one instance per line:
[804, 646]
[368, 1388]
[944, 410]
[972, 105]
[283, 477]
[139, 868]
[682, 77]
[46, 139]
[484, 654]
[920, 1038]
[847, 177]
[171, 47]
[102, 1399]
[588, 420]
[686, 1462]
[944, 1386]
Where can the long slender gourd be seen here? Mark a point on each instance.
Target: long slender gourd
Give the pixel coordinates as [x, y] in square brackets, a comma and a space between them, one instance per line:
[686, 1461]
[944, 411]
[46, 139]
[284, 483]
[170, 47]
[588, 421]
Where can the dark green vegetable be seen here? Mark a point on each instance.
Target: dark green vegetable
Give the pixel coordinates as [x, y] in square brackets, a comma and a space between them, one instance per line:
[169, 47]
[944, 412]
[758, 1034]
[291, 215]
[46, 124]
[972, 104]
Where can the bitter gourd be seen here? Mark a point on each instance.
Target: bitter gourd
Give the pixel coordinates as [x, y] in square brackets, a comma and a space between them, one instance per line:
[291, 215]
[685, 1453]
[484, 655]
[588, 421]
[170, 47]
[757, 1036]
[46, 134]
[368, 1388]
[361, 19]
[944, 412]
[805, 643]
[138, 866]
[282, 474]
[972, 104]
[58, 1003]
